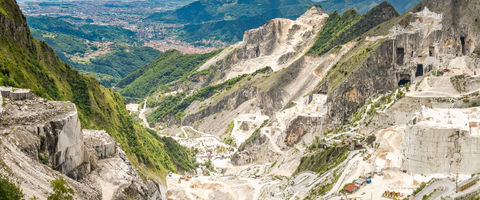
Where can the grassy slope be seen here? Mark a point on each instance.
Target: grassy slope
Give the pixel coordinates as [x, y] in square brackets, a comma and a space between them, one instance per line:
[354, 58]
[323, 160]
[334, 26]
[340, 29]
[168, 67]
[28, 63]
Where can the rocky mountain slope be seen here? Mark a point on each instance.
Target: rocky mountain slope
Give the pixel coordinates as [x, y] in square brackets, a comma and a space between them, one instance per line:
[28, 63]
[303, 108]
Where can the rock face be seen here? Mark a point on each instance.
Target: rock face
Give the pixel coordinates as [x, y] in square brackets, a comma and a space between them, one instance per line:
[116, 175]
[300, 126]
[442, 141]
[414, 47]
[277, 44]
[100, 141]
[43, 139]
[14, 26]
[57, 127]
[248, 153]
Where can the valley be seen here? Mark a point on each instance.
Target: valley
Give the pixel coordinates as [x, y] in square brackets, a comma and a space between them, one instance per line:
[333, 100]
[110, 39]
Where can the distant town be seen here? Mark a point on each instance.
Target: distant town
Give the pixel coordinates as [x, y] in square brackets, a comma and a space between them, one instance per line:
[129, 15]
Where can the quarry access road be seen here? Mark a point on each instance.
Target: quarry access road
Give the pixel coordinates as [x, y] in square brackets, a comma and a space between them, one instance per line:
[142, 115]
[303, 179]
[443, 188]
[304, 188]
[336, 187]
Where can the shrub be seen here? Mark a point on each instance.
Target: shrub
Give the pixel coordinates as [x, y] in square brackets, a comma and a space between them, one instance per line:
[9, 190]
[229, 141]
[372, 111]
[400, 94]
[61, 191]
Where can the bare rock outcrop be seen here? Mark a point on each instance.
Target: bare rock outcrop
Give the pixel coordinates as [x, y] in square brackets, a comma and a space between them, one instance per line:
[101, 142]
[41, 140]
[254, 150]
[442, 141]
[277, 44]
[59, 138]
[115, 175]
[301, 126]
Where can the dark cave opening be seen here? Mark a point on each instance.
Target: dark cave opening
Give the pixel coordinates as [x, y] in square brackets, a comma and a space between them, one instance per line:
[403, 82]
[404, 79]
[419, 71]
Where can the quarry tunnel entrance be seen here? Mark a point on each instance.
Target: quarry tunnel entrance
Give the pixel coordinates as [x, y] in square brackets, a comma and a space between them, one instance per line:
[404, 79]
[431, 51]
[462, 40]
[419, 71]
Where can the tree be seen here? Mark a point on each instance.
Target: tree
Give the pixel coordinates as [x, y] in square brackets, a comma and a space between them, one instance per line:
[61, 191]
[9, 190]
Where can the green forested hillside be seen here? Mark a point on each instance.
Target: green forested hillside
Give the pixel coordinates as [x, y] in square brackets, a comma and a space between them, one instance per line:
[215, 10]
[87, 31]
[233, 30]
[168, 67]
[110, 68]
[227, 20]
[335, 25]
[28, 63]
[365, 5]
[73, 44]
[340, 29]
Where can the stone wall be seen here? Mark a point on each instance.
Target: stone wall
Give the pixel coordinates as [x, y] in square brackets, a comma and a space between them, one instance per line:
[101, 142]
[21, 95]
[15, 94]
[62, 142]
[429, 150]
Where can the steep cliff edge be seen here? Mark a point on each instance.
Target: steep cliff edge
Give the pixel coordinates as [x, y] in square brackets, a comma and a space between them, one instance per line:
[43, 139]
